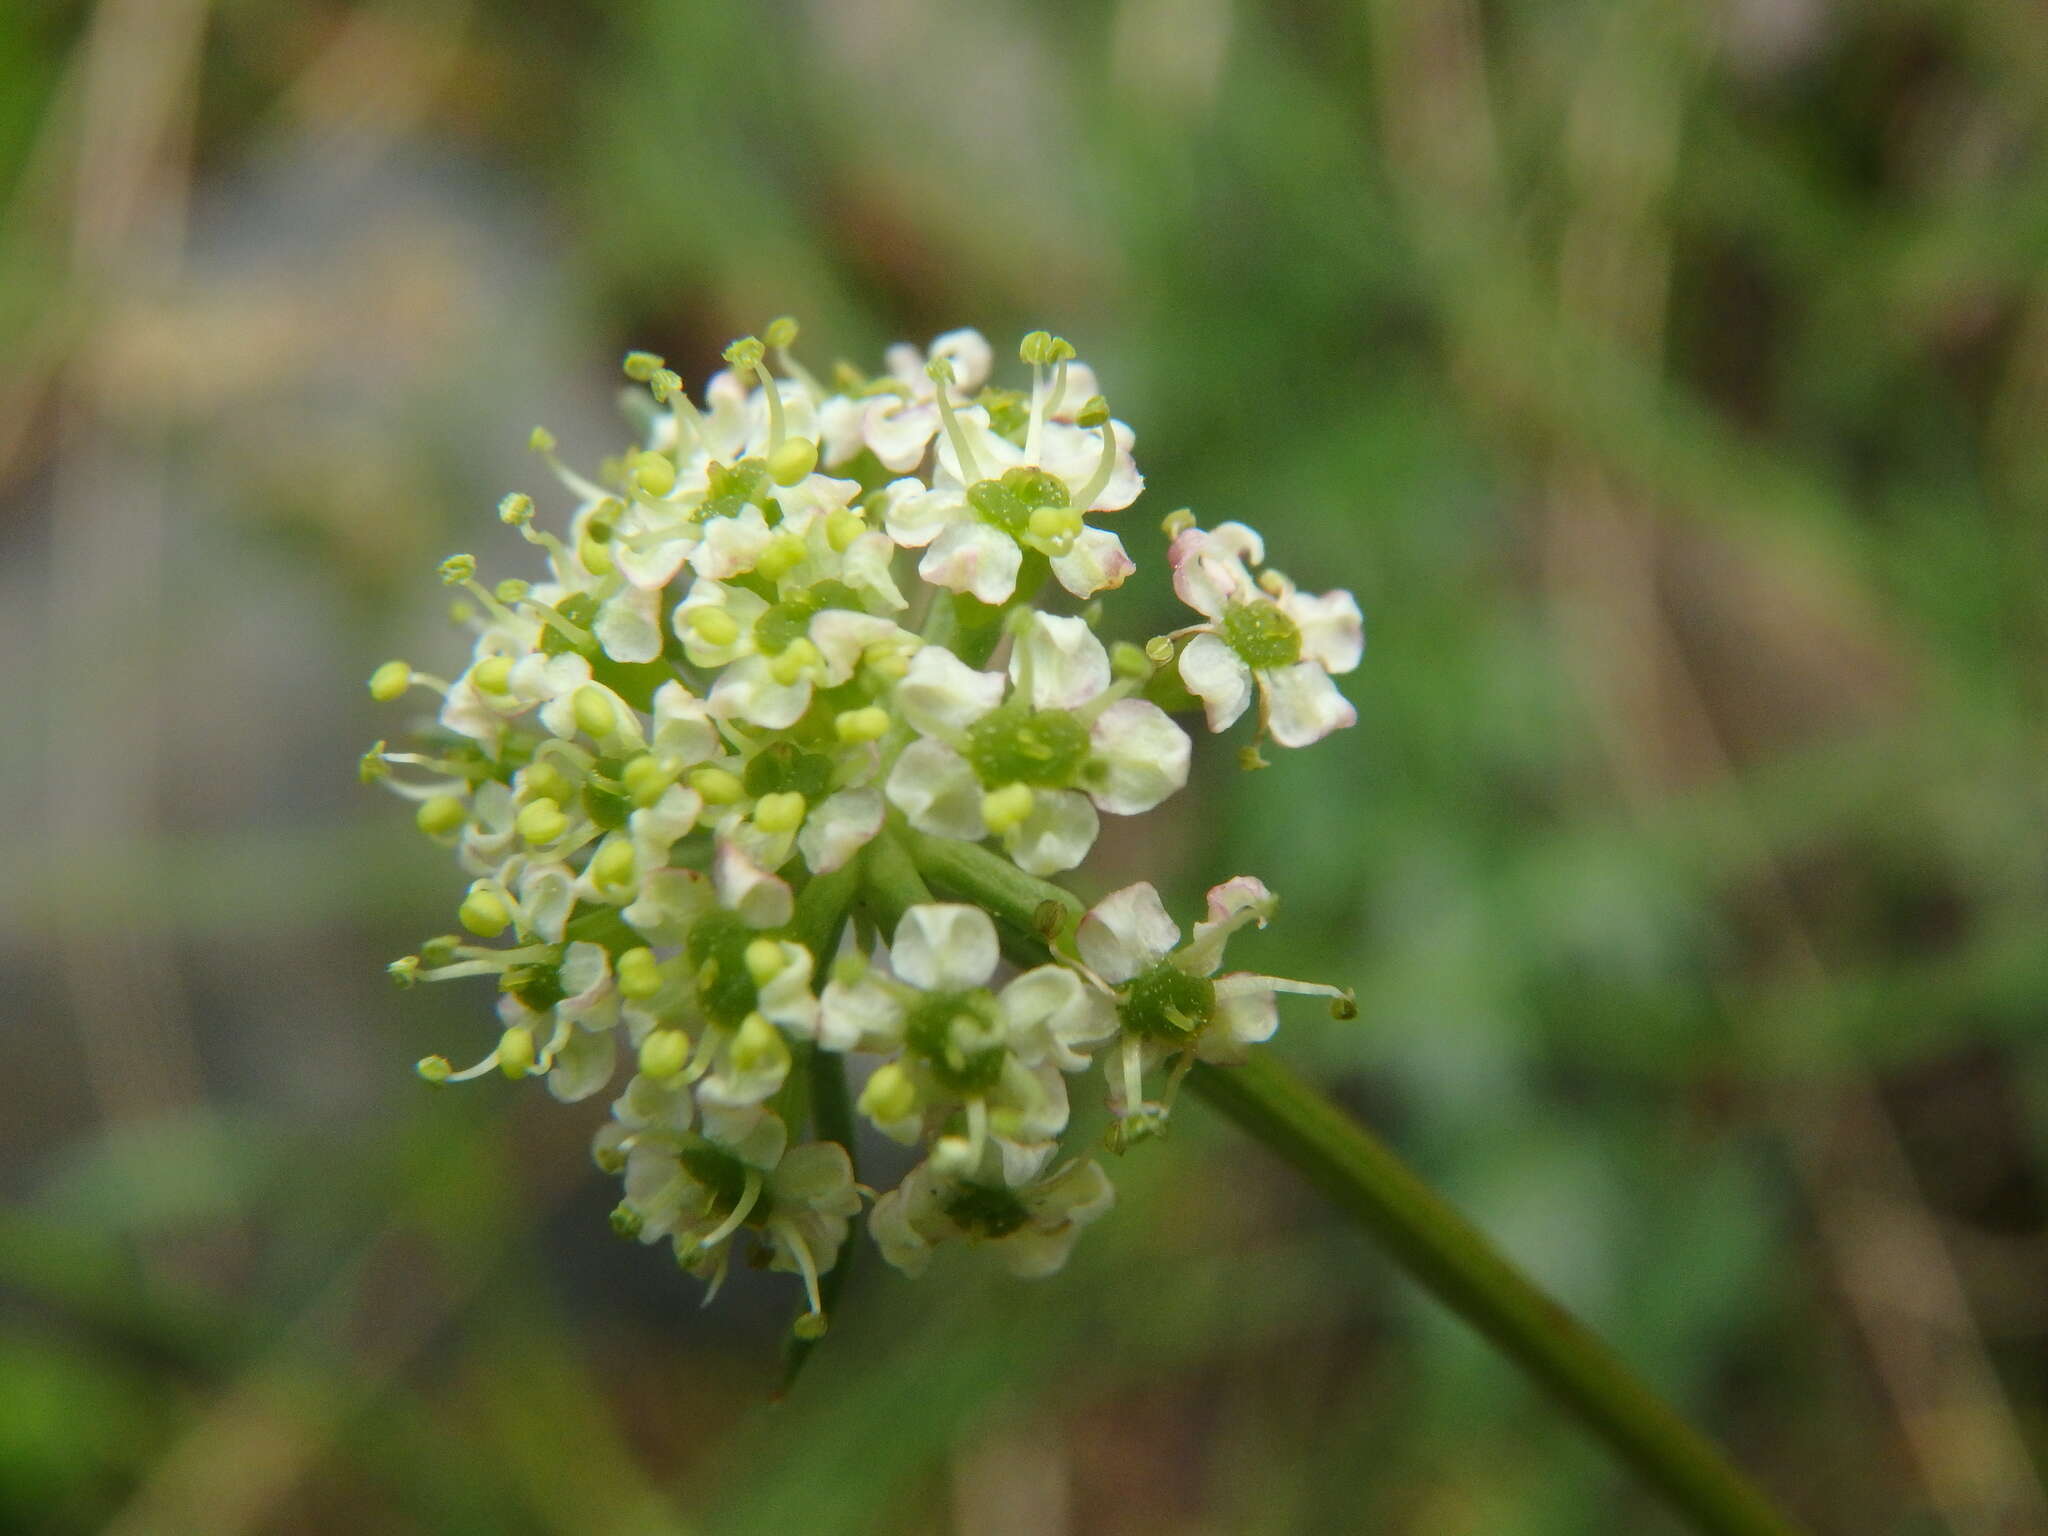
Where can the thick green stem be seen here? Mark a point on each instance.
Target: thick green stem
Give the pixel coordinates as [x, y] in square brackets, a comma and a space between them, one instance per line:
[1423, 1233]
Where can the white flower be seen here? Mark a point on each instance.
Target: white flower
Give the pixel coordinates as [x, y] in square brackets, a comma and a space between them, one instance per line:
[898, 424]
[1169, 999]
[1033, 1229]
[1038, 767]
[1263, 631]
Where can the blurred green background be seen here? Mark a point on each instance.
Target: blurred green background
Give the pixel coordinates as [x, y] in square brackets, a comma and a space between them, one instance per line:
[1667, 381]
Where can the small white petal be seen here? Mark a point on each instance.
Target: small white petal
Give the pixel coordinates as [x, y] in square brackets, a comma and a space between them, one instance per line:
[863, 1016]
[941, 695]
[1217, 676]
[583, 1065]
[1245, 1016]
[1056, 835]
[547, 894]
[682, 726]
[973, 558]
[914, 516]
[1059, 662]
[747, 690]
[899, 431]
[969, 353]
[838, 827]
[865, 568]
[839, 430]
[1140, 755]
[1126, 932]
[934, 786]
[1208, 573]
[841, 635]
[1096, 563]
[746, 888]
[944, 946]
[629, 625]
[1303, 705]
[1332, 628]
[731, 545]
[1048, 1014]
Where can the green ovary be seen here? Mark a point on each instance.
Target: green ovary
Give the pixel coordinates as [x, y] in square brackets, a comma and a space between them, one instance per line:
[1045, 748]
[1262, 635]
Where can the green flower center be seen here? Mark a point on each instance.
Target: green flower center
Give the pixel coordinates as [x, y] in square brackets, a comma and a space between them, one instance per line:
[724, 1178]
[731, 490]
[987, 1209]
[1167, 1003]
[1009, 502]
[956, 1035]
[1020, 745]
[1261, 634]
[790, 619]
[718, 949]
[781, 766]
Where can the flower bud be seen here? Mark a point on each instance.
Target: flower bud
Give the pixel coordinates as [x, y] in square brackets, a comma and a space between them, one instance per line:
[717, 786]
[593, 711]
[842, 527]
[758, 1046]
[484, 913]
[613, 866]
[541, 821]
[664, 1053]
[441, 816]
[889, 1094]
[639, 974]
[765, 961]
[856, 725]
[647, 778]
[780, 812]
[783, 554]
[493, 674]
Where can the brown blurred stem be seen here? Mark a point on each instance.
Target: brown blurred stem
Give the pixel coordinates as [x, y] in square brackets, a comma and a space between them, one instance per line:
[1446, 1253]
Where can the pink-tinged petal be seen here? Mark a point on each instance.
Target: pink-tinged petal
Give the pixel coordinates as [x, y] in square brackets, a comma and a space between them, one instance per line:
[1056, 835]
[653, 563]
[1303, 705]
[1217, 676]
[865, 568]
[839, 827]
[915, 515]
[1332, 628]
[944, 946]
[993, 453]
[629, 625]
[682, 726]
[976, 559]
[1126, 932]
[1059, 663]
[1096, 563]
[1140, 757]
[839, 430]
[934, 786]
[1208, 574]
[941, 695]
[1236, 902]
[583, 1065]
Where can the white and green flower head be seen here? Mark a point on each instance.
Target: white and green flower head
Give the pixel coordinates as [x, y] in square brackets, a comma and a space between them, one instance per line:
[808, 668]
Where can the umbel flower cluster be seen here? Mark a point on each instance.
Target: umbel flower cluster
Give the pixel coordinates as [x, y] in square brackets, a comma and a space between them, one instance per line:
[814, 668]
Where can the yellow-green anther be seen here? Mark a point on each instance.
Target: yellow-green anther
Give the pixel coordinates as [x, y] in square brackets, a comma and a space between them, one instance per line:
[613, 865]
[646, 778]
[639, 974]
[1250, 759]
[1032, 349]
[810, 1327]
[1095, 413]
[664, 1053]
[781, 331]
[457, 569]
[714, 626]
[758, 1046]
[596, 557]
[1055, 522]
[1176, 523]
[782, 812]
[842, 527]
[593, 710]
[493, 674]
[512, 590]
[654, 473]
[765, 961]
[541, 440]
[665, 385]
[939, 370]
[371, 767]
[855, 725]
[887, 664]
[889, 1094]
[515, 1052]
[796, 458]
[441, 816]
[1061, 350]
[783, 554]
[1007, 807]
[516, 509]
[484, 913]
[390, 681]
[641, 366]
[544, 781]
[1159, 649]
[433, 1069]
[717, 786]
[541, 821]
[745, 354]
[797, 658]
[405, 970]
